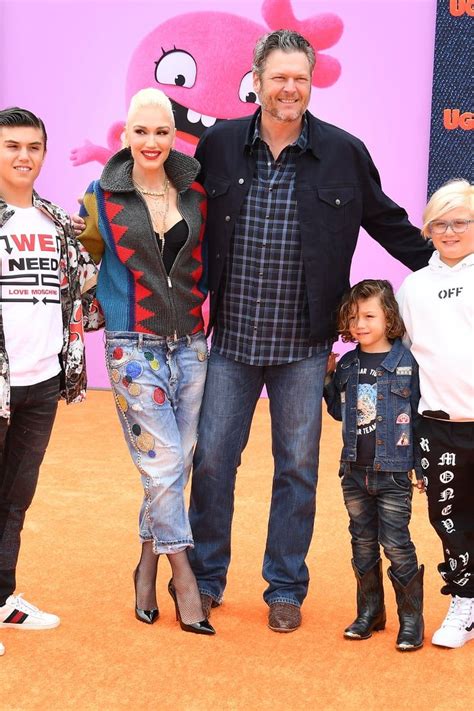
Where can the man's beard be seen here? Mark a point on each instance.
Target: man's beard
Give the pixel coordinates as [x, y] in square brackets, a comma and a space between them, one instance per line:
[280, 114]
[284, 116]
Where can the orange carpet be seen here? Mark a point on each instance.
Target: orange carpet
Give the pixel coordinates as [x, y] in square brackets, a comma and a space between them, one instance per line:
[80, 547]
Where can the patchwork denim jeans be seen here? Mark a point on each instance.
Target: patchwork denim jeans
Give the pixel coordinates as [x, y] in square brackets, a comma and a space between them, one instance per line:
[158, 385]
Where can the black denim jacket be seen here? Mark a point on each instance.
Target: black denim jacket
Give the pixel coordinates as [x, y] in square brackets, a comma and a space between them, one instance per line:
[337, 190]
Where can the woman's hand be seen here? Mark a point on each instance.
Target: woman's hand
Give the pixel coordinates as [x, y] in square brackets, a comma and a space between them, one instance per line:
[78, 223]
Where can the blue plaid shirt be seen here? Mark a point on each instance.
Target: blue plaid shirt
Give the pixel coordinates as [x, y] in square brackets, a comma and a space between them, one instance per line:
[263, 316]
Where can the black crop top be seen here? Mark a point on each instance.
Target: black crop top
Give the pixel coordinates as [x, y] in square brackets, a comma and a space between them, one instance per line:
[175, 239]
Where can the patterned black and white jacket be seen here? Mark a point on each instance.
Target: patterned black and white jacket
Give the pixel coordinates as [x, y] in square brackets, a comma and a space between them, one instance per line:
[80, 311]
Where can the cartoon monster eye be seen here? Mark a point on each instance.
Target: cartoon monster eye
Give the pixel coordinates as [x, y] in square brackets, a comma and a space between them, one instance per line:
[246, 91]
[176, 67]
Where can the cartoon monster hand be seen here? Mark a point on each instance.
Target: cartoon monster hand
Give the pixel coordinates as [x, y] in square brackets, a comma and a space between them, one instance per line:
[88, 153]
[114, 136]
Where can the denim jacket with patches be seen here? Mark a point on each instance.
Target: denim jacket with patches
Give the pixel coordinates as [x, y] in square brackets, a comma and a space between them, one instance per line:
[80, 308]
[398, 394]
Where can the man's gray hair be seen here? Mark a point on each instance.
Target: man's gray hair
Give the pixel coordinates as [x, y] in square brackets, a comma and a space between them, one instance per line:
[286, 41]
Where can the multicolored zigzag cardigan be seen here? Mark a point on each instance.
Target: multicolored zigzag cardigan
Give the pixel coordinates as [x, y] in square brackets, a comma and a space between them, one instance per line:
[134, 290]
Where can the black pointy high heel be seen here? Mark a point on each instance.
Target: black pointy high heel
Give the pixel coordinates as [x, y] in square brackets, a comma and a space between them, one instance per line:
[146, 616]
[203, 627]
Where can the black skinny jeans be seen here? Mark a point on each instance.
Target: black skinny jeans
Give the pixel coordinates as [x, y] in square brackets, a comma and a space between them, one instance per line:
[23, 443]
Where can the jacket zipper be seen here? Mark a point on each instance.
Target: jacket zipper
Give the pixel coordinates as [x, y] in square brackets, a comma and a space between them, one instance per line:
[170, 285]
[63, 250]
[160, 257]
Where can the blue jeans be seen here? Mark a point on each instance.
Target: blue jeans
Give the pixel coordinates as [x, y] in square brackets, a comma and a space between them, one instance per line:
[158, 385]
[231, 394]
[379, 508]
[23, 443]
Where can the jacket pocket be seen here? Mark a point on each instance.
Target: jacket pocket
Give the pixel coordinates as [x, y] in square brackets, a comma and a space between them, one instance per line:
[334, 206]
[216, 187]
[400, 389]
[401, 480]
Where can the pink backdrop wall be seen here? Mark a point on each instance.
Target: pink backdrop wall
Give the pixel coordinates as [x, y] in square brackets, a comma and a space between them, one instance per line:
[67, 61]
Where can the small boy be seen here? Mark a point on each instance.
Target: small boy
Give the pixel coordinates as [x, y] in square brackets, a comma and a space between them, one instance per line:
[374, 391]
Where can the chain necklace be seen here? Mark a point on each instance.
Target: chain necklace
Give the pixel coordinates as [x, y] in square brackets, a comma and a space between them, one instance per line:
[152, 193]
[158, 204]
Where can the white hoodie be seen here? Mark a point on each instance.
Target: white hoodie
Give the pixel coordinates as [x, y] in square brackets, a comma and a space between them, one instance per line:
[437, 306]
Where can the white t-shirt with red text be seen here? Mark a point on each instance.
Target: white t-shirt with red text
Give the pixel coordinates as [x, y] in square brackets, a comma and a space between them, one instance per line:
[30, 296]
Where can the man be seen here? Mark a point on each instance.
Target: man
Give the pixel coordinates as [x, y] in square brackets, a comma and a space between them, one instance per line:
[42, 275]
[287, 196]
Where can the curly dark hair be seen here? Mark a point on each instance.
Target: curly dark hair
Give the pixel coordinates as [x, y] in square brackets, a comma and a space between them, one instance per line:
[365, 290]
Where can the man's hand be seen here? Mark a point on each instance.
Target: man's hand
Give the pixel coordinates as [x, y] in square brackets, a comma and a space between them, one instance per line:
[331, 366]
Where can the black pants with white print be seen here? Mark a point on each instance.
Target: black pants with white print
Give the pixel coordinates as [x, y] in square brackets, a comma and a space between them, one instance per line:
[447, 459]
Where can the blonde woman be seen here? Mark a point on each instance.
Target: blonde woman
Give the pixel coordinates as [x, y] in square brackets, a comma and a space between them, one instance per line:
[144, 223]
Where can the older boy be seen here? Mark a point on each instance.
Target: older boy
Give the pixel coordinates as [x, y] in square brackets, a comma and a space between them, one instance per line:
[43, 273]
[436, 304]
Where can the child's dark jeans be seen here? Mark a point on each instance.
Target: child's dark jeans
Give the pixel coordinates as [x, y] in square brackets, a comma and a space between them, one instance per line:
[379, 507]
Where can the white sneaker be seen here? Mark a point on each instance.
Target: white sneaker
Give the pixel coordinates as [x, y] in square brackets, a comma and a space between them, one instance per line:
[458, 625]
[2, 649]
[21, 615]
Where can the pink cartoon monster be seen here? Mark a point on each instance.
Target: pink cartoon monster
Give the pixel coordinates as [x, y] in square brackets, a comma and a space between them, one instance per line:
[203, 62]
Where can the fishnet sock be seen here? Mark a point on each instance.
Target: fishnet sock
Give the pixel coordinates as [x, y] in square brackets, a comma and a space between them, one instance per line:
[145, 577]
[187, 592]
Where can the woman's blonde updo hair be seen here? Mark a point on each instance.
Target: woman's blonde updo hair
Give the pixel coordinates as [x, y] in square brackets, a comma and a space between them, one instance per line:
[147, 97]
[455, 193]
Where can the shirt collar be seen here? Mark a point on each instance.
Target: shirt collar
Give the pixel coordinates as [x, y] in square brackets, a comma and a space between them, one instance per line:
[301, 143]
[436, 264]
[392, 358]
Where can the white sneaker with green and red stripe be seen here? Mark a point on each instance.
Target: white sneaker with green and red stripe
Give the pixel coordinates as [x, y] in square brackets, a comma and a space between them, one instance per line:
[22, 615]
